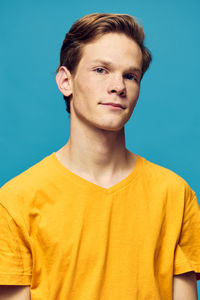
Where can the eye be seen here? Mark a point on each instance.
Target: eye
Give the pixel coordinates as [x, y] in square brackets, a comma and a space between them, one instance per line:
[100, 70]
[130, 76]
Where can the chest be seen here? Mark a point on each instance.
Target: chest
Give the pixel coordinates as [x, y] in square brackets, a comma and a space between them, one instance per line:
[124, 222]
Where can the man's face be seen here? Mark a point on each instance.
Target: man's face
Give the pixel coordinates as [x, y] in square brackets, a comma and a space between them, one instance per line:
[108, 72]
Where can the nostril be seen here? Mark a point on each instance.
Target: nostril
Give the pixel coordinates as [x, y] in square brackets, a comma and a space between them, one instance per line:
[121, 93]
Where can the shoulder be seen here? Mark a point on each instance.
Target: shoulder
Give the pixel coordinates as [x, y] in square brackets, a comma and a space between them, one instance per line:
[30, 177]
[164, 178]
[18, 193]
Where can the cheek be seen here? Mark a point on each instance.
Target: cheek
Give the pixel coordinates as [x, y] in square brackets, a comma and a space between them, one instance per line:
[134, 93]
[80, 87]
[84, 86]
[138, 92]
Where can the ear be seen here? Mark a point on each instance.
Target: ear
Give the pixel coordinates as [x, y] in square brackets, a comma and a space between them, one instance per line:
[63, 80]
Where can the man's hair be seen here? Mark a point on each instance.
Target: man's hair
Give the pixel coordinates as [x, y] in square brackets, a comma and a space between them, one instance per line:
[92, 27]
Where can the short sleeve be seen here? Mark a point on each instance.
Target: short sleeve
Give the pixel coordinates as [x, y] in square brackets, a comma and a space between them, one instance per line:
[15, 254]
[187, 252]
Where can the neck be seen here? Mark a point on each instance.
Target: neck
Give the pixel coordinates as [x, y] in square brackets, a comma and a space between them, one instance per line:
[96, 153]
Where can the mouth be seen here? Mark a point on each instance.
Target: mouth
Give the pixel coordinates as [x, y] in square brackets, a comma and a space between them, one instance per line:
[114, 105]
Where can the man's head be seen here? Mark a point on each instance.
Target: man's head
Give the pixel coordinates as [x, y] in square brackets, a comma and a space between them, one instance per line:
[91, 28]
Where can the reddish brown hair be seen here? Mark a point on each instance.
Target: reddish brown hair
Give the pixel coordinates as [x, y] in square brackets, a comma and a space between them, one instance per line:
[93, 26]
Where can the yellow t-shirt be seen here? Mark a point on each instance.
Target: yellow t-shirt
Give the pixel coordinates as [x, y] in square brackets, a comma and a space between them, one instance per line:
[70, 239]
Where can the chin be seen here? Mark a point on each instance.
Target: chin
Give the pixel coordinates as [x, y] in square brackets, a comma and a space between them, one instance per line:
[109, 127]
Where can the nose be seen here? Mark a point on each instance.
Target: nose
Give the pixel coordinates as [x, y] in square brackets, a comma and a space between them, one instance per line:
[117, 86]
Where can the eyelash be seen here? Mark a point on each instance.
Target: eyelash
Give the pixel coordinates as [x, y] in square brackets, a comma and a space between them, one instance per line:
[133, 77]
[99, 69]
[125, 76]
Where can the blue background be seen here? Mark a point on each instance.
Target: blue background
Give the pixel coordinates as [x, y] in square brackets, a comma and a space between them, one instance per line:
[165, 126]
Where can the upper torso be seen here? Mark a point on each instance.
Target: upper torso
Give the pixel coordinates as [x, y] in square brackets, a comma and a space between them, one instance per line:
[87, 242]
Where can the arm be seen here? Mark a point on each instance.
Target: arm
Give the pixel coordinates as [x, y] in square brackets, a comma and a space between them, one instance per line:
[13, 292]
[185, 286]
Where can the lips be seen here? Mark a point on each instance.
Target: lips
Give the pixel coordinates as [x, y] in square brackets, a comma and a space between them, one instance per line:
[114, 104]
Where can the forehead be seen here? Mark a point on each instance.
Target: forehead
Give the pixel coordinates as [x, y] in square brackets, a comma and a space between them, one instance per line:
[115, 47]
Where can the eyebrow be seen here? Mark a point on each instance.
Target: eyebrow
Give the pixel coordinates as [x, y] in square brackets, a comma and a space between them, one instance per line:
[109, 64]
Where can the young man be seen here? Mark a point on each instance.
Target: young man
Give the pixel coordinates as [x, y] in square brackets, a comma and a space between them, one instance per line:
[94, 220]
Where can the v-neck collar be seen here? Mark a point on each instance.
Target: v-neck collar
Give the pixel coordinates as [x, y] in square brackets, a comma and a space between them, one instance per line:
[90, 185]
